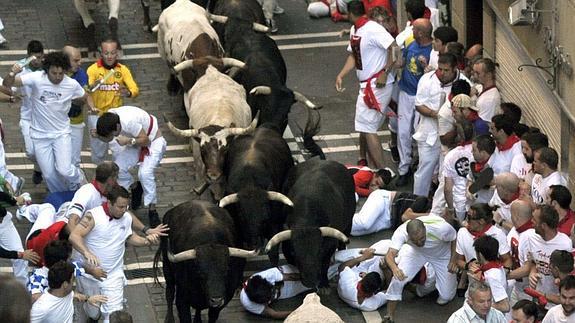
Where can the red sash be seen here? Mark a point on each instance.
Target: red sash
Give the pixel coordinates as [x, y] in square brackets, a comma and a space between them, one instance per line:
[479, 166]
[369, 97]
[511, 140]
[144, 150]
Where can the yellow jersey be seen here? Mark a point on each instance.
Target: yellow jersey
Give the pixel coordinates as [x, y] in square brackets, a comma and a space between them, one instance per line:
[107, 96]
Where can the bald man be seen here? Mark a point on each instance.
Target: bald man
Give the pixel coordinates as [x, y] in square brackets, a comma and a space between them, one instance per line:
[522, 230]
[415, 60]
[429, 239]
[506, 191]
[76, 112]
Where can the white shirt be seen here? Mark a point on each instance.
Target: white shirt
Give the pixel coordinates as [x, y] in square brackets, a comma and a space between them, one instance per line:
[133, 120]
[371, 42]
[488, 103]
[540, 186]
[432, 94]
[500, 161]
[467, 315]
[50, 104]
[85, 198]
[25, 109]
[456, 166]
[107, 240]
[465, 241]
[347, 290]
[504, 210]
[445, 119]
[540, 251]
[434, 59]
[521, 168]
[439, 234]
[273, 275]
[497, 281]
[518, 244]
[51, 309]
[557, 315]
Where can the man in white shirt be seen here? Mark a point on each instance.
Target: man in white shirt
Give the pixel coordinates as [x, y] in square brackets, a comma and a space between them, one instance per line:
[432, 91]
[545, 163]
[564, 313]
[360, 282]
[489, 99]
[506, 192]
[441, 37]
[429, 239]
[263, 288]
[508, 144]
[57, 305]
[51, 95]
[521, 165]
[477, 308]
[370, 54]
[135, 138]
[539, 249]
[101, 238]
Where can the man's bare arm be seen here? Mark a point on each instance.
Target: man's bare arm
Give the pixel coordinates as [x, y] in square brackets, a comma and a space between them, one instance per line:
[77, 238]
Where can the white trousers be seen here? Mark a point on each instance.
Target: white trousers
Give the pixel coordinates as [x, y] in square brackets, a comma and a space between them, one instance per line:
[10, 240]
[28, 144]
[439, 203]
[4, 172]
[407, 118]
[55, 161]
[411, 260]
[83, 9]
[268, 7]
[112, 287]
[428, 160]
[318, 9]
[98, 147]
[369, 120]
[77, 136]
[42, 215]
[374, 215]
[126, 157]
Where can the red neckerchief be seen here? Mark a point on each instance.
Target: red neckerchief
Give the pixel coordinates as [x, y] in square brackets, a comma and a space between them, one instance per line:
[450, 97]
[480, 233]
[98, 187]
[525, 226]
[489, 265]
[100, 63]
[511, 140]
[106, 208]
[144, 150]
[487, 89]
[513, 198]
[369, 97]
[473, 116]
[360, 292]
[465, 143]
[567, 216]
[360, 22]
[479, 166]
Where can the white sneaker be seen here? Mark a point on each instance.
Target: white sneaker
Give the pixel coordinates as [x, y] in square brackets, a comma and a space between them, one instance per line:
[442, 301]
[22, 208]
[278, 10]
[2, 40]
[19, 186]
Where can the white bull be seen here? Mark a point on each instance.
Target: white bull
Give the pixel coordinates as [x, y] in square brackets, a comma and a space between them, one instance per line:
[217, 109]
[184, 32]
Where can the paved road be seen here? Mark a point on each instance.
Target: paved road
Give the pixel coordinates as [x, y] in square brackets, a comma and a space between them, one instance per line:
[313, 53]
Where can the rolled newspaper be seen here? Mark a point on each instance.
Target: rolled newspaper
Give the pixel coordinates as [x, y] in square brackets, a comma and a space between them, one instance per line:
[26, 62]
[99, 83]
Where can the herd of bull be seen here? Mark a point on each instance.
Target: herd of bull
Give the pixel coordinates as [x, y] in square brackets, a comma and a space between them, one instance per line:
[240, 154]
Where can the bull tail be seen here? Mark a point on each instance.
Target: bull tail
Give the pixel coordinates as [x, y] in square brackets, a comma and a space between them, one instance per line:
[312, 128]
[157, 257]
[174, 87]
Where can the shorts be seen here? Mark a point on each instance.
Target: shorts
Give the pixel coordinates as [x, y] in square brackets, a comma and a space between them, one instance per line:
[370, 120]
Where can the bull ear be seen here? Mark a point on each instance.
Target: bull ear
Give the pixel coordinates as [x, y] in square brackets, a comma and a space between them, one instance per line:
[229, 199]
[241, 253]
[182, 256]
[333, 233]
[278, 238]
[279, 197]
[301, 98]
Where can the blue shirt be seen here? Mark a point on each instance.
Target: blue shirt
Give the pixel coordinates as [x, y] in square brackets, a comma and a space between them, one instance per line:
[480, 127]
[412, 69]
[80, 76]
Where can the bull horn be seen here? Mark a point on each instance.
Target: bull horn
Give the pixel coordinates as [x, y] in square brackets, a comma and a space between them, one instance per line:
[333, 233]
[260, 28]
[275, 196]
[218, 18]
[301, 98]
[242, 253]
[179, 132]
[182, 256]
[242, 131]
[232, 62]
[229, 199]
[279, 237]
[261, 90]
[183, 65]
[155, 28]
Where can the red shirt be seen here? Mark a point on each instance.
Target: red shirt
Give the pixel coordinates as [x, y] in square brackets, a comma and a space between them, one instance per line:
[567, 222]
[361, 178]
[368, 4]
[39, 242]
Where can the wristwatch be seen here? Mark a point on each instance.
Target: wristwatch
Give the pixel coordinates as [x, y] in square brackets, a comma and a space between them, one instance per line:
[132, 141]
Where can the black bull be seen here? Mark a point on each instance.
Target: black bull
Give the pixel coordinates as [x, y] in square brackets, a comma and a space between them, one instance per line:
[323, 196]
[200, 265]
